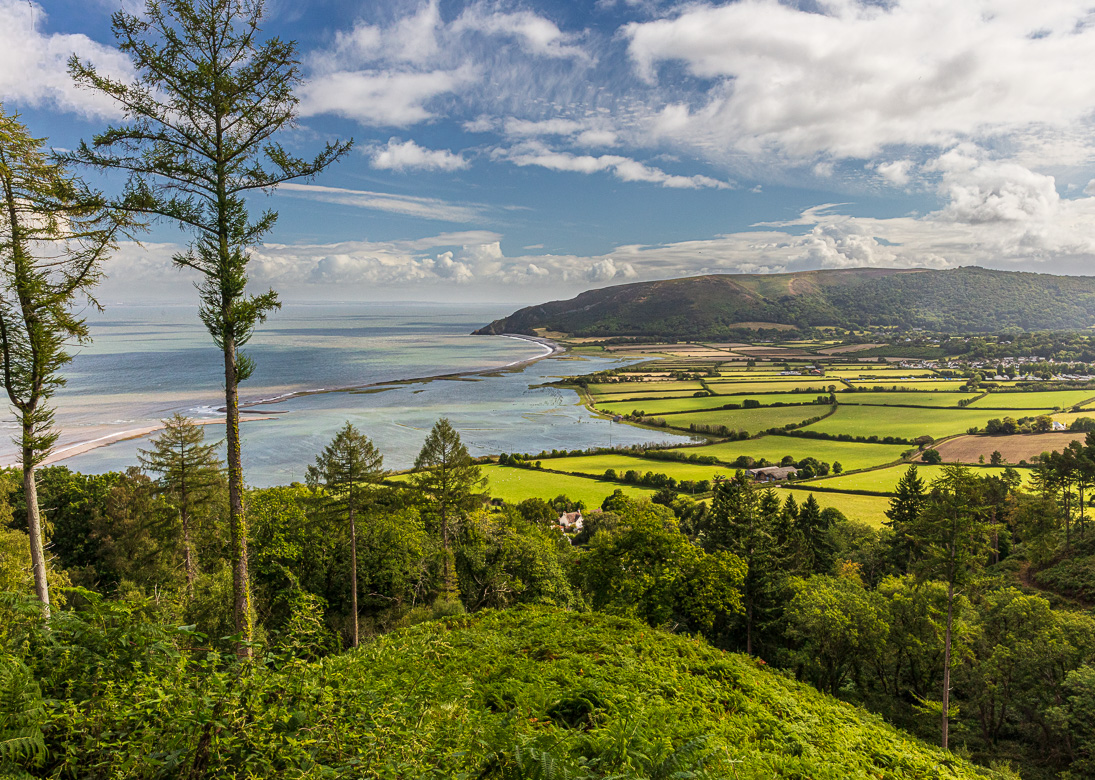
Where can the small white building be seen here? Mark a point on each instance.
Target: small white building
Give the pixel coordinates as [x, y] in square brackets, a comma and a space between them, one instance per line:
[571, 521]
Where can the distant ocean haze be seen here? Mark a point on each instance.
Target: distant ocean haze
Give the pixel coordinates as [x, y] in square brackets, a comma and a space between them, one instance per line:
[148, 362]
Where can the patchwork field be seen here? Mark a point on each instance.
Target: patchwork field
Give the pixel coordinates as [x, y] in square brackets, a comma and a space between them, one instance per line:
[908, 423]
[851, 372]
[967, 449]
[752, 420]
[851, 455]
[514, 484]
[1034, 400]
[901, 398]
[885, 480]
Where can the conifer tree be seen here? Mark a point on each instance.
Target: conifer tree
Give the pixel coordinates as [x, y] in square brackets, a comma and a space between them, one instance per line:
[188, 470]
[447, 479]
[207, 101]
[349, 468]
[741, 522]
[54, 234]
[905, 507]
[813, 527]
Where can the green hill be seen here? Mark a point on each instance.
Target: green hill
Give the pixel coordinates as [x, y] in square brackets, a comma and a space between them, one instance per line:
[969, 299]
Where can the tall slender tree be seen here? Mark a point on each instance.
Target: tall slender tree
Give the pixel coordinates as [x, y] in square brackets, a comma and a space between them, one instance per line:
[349, 469]
[905, 507]
[955, 538]
[188, 469]
[202, 113]
[54, 233]
[447, 479]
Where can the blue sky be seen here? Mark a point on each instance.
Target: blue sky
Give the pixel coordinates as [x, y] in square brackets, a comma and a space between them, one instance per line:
[523, 151]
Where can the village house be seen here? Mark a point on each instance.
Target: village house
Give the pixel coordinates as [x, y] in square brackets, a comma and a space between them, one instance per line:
[571, 521]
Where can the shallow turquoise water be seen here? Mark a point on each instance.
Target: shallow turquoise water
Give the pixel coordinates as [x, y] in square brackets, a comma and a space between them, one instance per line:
[146, 363]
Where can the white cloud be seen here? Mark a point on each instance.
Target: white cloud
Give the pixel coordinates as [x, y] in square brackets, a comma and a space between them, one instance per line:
[33, 65]
[850, 78]
[378, 97]
[406, 205]
[537, 35]
[896, 172]
[407, 155]
[623, 168]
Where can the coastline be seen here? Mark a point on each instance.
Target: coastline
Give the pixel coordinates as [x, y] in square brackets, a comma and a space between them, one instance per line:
[251, 414]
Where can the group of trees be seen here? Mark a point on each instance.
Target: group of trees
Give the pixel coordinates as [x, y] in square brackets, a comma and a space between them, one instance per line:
[201, 116]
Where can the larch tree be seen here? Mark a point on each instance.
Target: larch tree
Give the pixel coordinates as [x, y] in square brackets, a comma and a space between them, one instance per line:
[187, 472]
[54, 234]
[447, 479]
[201, 116]
[348, 469]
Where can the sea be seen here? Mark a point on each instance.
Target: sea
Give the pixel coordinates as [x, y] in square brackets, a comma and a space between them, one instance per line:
[317, 367]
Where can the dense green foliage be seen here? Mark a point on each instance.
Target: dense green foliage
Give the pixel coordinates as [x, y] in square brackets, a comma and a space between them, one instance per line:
[528, 692]
[966, 299]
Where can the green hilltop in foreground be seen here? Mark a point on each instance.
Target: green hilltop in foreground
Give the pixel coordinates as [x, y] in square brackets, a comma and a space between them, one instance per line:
[529, 692]
[967, 299]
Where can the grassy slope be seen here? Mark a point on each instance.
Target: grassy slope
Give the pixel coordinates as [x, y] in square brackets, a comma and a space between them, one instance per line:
[439, 699]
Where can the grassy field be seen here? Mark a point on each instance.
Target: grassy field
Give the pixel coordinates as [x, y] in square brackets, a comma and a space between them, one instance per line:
[752, 420]
[880, 373]
[772, 385]
[1034, 400]
[596, 465]
[671, 386]
[911, 384]
[901, 421]
[904, 398]
[868, 509]
[656, 406]
[851, 455]
[885, 480]
[513, 485]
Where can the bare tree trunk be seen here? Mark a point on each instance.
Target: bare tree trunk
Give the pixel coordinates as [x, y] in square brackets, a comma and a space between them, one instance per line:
[241, 583]
[191, 575]
[34, 528]
[353, 569]
[947, 657]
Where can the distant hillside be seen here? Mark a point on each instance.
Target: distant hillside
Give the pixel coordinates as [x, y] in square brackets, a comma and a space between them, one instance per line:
[967, 300]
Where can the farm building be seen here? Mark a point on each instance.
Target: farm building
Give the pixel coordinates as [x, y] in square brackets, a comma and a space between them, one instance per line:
[772, 473]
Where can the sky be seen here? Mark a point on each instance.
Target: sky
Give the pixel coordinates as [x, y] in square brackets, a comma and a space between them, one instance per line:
[522, 151]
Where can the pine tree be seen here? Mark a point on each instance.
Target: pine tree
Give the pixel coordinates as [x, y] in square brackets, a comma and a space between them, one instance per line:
[905, 507]
[202, 114]
[447, 478]
[741, 522]
[349, 469]
[188, 471]
[813, 526]
[54, 234]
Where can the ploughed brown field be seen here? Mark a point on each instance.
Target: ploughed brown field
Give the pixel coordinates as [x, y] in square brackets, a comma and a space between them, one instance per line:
[966, 449]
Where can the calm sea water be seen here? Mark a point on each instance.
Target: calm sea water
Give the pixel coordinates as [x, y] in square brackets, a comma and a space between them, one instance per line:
[148, 362]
